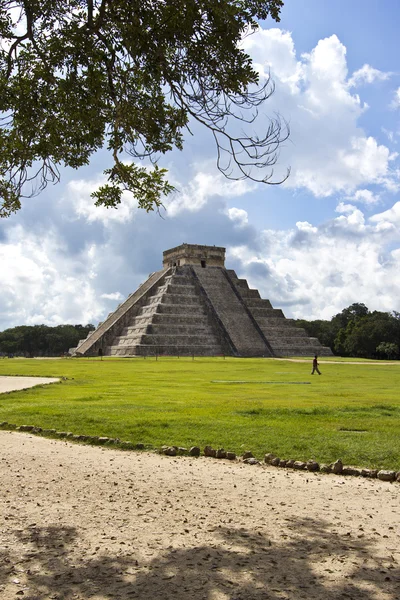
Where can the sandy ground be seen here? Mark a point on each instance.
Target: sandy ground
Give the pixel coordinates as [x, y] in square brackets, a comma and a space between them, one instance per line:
[79, 522]
[9, 384]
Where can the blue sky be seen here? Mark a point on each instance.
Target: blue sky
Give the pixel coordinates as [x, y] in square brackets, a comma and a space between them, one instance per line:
[328, 237]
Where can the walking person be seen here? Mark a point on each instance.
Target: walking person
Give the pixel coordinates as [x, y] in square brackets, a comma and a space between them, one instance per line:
[315, 366]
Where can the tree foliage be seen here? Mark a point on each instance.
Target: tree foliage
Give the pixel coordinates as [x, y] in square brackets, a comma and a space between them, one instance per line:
[78, 75]
[358, 332]
[42, 340]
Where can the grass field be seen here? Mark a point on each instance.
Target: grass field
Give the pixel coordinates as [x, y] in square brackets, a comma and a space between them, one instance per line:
[351, 411]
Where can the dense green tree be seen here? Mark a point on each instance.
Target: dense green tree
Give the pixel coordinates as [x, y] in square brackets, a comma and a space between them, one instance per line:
[80, 75]
[388, 350]
[42, 340]
[358, 332]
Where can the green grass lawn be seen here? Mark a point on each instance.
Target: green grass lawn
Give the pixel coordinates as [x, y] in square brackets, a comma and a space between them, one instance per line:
[350, 412]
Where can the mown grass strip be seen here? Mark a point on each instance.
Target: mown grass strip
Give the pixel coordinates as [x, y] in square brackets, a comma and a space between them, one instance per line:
[177, 402]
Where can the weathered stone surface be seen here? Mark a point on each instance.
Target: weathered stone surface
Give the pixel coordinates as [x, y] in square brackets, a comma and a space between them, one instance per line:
[194, 451]
[102, 440]
[251, 461]
[220, 453]
[3, 424]
[127, 445]
[48, 431]
[337, 467]
[268, 458]
[289, 463]
[37, 430]
[325, 468]
[351, 471]
[386, 475]
[139, 446]
[62, 434]
[247, 454]
[188, 308]
[182, 450]
[25, 428]
[372, 473]
[170, 451]
[312, 465]
[282, 463]
[231, 455]
[209, 451]
[300, 465]
[275, 461]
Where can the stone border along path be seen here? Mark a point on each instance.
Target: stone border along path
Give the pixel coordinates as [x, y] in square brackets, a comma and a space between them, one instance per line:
[336, 468]
[12, 384]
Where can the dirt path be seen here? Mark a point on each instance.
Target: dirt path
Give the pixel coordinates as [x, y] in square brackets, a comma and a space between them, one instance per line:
[9, 384]
[81, 522]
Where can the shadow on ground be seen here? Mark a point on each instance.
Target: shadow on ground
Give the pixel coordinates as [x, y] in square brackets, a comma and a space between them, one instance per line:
[240, 565]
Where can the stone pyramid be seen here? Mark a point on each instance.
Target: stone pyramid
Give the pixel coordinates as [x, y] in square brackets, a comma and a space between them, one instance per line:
[194, 306]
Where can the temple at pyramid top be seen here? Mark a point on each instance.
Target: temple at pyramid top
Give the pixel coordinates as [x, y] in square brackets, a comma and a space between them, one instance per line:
[193, 254]
[195, 306]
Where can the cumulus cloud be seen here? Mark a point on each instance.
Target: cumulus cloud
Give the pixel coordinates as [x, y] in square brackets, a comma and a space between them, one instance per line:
[78, 192]
[368, 74]
[328, 152]
[75, 261]
[364, 197]
[314, 272]
[40, 284]
[113, 296]
[201, 188]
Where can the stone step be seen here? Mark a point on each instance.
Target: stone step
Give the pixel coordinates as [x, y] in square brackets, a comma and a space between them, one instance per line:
[182, 299]
[261, 312]
[178, 309]
[177, 288]
[240, 283]
[165, 350]
[253, 303]
[275, 332]
[172, 325]
[302, 351]
[247, 292]
[274, 322]
[193, 318]
[172, 339]
[179, 339]
[291, 341]
[182, 329]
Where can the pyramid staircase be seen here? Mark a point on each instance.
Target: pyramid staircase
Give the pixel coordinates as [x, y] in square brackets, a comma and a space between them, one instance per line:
[174, 321]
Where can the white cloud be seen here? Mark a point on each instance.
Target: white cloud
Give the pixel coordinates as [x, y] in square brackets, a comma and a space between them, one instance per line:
[328, 152]
[79, 190]
[314, 269]
[113, 296]
[40, 284]
[396, 99]
[364, 197]
[201, 188]
[314, 272]
[368, 74]
[391, 216]
[238, 216]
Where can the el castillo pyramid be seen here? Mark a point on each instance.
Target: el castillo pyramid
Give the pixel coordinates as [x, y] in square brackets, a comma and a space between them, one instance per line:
[194, 306]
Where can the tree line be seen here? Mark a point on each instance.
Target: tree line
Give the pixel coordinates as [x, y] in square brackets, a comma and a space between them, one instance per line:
[41, 340]
[358, 332]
